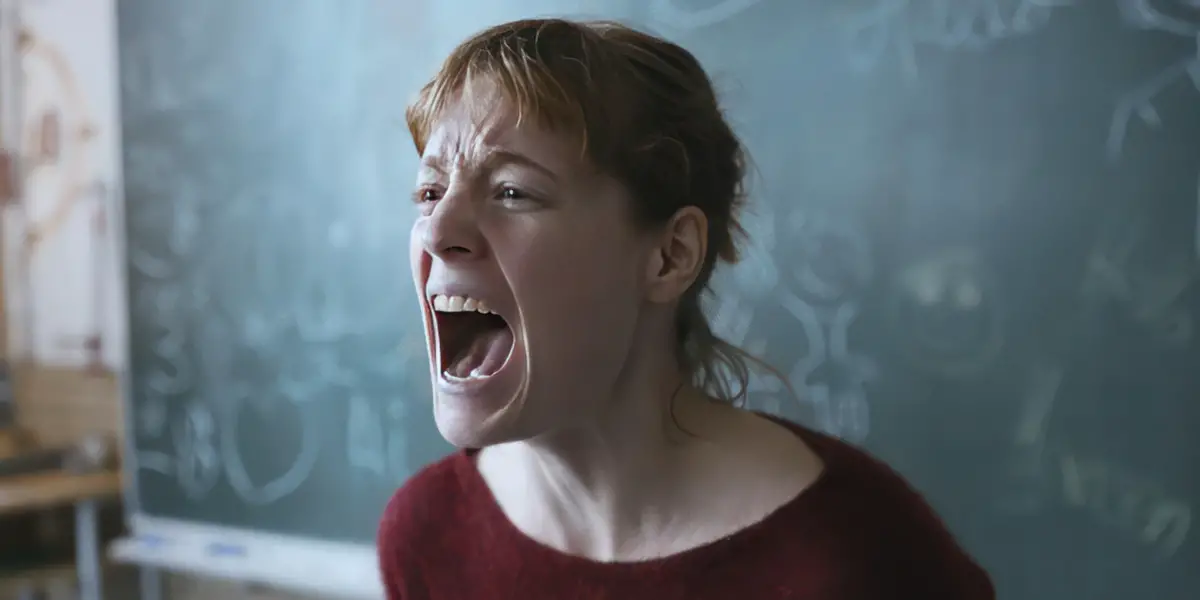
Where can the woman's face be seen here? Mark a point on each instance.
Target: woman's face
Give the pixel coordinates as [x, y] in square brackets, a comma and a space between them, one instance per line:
[531, 277]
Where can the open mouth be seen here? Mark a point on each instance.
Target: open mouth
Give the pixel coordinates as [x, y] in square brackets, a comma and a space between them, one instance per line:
[473, 342]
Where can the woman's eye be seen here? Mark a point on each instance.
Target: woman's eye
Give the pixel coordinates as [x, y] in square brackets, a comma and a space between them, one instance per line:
[423, 195]
[514, 197]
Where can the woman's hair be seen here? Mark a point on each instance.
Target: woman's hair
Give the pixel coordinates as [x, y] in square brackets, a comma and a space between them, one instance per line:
[645, 113]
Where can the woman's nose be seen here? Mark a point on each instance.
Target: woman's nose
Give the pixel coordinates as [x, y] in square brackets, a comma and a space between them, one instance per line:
[452, 231]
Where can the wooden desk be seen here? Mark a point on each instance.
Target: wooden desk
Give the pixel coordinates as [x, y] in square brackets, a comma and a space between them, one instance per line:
[13, 441]
[22, 493]
[21, 584]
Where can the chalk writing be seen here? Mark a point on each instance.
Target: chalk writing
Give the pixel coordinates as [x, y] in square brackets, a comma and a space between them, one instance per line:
[365, 440]
[176, 374]
[198, 464]
[1126, 501]
[372, 445]
[152, 419]
[272, 346]
[283, 484]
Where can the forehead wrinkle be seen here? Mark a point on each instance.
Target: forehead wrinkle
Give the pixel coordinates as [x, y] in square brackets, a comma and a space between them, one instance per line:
[465, 146]
[484, 154]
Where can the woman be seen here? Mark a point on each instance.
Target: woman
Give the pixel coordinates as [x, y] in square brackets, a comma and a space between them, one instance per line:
[577, 186]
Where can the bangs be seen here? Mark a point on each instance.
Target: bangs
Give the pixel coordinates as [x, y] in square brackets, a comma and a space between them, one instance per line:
[541, 72]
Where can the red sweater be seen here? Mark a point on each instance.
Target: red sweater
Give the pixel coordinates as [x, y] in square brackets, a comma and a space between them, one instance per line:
[859, 532]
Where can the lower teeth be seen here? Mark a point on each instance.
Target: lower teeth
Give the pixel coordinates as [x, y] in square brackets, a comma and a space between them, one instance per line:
[474, 374]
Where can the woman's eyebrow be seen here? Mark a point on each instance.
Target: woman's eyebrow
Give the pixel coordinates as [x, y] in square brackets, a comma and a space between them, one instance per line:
[500, 157]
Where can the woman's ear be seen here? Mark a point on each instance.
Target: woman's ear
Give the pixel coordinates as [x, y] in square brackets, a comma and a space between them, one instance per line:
[678, 256]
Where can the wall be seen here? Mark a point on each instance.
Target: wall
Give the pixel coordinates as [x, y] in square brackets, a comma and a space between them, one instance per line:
[61, 269]
[61, 290]
[61, 275]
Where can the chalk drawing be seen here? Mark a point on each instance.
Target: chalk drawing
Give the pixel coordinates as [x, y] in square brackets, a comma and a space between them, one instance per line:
[945, 314]
[175, 373]
[830, 266]
[840, 408]
[274, 340]
[1150, 281]
[756, 275]
[731, 317]
[1124, 500]
[281, 485]
[397, 442]
[152, 417]
[162, 463]
[1028, 491]
[740, 289]
[172, 374]
[223, 346]
[815, 275]
[198, 466]
[897, 28]
[1034, 420]
[365, 438]
[1174, 17]
[830, 259]
[670, 13]
[1167, 525]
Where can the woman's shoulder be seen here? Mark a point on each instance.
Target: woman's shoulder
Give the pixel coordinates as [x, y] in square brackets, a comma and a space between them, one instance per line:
[851, 470]
[885, 525]
[864, 489]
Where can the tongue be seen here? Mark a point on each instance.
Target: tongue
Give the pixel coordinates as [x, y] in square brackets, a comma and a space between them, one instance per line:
[486, 355]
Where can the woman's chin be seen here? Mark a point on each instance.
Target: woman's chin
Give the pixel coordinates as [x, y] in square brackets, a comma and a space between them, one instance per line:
[478, 412]
[468, 426]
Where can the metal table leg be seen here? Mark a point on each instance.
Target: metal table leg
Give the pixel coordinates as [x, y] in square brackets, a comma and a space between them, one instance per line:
[87, 550]
[150, 582]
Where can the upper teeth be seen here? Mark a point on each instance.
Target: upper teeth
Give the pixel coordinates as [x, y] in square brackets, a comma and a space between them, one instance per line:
[459, 304]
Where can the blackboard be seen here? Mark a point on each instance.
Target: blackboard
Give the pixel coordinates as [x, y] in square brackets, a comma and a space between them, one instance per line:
[975, 251]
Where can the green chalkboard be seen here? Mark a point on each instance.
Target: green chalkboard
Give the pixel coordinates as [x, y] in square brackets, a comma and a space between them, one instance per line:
[974, 251]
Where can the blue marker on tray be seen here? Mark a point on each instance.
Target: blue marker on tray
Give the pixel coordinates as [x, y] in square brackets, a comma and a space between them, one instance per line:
[221, 549]
[154, 541]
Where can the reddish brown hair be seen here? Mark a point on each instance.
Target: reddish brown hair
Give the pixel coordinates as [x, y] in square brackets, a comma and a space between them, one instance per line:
[645, 113]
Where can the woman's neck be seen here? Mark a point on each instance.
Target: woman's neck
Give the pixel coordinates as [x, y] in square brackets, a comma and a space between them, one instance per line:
[615, 488]
[658, 468]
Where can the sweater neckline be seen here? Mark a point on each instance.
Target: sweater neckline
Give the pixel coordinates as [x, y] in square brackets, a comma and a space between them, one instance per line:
[793, 513]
